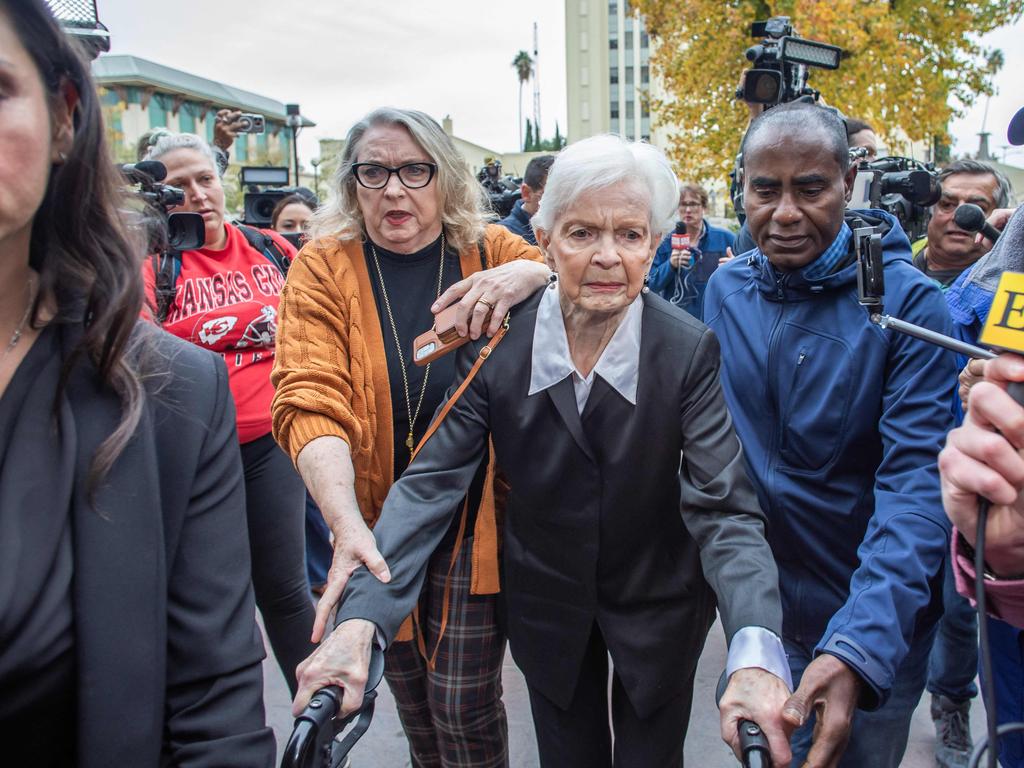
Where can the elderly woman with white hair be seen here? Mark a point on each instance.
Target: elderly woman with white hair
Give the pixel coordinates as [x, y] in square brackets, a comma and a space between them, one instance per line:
[403, 235]
[629, 510]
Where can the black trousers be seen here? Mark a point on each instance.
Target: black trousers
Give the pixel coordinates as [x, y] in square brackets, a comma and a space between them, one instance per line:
[275, 501]
[579, 737]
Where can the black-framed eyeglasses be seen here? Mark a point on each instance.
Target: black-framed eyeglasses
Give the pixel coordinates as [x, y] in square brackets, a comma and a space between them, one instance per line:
[412, 175]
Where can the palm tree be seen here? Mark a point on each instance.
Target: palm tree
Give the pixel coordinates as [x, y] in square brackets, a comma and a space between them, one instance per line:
[523, 65]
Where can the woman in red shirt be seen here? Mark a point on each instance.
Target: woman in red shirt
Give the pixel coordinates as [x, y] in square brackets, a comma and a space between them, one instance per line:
[225, 300]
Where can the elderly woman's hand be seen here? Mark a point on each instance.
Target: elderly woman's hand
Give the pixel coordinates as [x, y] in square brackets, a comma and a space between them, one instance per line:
[343, 660]
[491, 292]
[756, 695]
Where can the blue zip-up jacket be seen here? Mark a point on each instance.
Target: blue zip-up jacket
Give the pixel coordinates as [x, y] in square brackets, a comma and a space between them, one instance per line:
[518, 221]
[841, 423]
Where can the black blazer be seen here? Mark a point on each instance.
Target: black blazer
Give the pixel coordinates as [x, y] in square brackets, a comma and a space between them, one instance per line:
[622, 516]
[167, 647]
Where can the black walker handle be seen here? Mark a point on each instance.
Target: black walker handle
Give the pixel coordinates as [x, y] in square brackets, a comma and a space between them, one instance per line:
[753, 745]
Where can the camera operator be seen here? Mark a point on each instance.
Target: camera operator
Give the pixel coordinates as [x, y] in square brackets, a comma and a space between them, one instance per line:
[224, 297]
[675, 273]
[531, 190]
[842, 426]
[948, 250]
[860, 134]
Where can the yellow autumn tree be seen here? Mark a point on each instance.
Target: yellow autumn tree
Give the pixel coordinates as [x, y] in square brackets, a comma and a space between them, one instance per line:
[902, 59]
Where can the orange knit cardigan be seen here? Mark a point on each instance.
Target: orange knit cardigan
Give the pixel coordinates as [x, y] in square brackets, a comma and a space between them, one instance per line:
[331, 375]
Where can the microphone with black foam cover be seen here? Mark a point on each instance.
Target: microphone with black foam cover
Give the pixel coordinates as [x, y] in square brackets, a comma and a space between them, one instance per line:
[970, 217]
[145, 171]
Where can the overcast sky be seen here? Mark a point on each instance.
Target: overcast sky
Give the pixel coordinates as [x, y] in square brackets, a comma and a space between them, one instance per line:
[339, 58]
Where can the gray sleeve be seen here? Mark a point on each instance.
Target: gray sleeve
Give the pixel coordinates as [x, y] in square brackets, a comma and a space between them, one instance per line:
[420, 507]
[719, 505]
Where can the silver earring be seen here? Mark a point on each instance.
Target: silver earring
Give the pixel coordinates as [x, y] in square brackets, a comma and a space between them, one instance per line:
[647, 287]
[552, 280]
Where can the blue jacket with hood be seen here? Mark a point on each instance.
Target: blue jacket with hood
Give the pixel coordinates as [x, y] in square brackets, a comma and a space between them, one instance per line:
[841, 422]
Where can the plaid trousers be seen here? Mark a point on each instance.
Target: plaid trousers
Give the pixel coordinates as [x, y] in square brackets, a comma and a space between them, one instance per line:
[452, 715]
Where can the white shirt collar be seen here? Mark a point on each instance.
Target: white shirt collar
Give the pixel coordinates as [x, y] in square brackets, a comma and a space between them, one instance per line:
[619, 364]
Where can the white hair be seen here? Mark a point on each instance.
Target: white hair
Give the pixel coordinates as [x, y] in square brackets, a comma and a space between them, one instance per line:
[602, 161]
[165, 143]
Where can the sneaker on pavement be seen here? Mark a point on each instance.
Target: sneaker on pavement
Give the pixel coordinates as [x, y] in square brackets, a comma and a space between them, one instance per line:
[953, 743]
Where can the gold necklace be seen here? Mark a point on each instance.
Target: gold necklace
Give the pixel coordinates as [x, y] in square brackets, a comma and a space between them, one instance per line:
[398, 343]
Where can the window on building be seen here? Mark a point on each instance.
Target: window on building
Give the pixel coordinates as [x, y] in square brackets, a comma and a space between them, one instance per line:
[584, 43]
[613, 44]
[613, 92]
[613, 75]
[629, 110]
[613, 7]
[629, 75]
[645, 75]
[630, 128]
[629, 41]
[629, 24]
[613, 22]
[584, 7]
[585, 111]
[645, 39]
[614, 113]
[584, 75]
[613, 126]
[645, 111]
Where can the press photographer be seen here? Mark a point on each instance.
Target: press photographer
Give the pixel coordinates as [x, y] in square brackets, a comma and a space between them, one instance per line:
[224, 297]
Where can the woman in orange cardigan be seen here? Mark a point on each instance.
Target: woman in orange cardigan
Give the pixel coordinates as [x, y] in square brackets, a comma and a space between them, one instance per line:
[403, 235]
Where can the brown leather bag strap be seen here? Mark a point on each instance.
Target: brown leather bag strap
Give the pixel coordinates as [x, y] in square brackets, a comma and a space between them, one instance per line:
[485, 352]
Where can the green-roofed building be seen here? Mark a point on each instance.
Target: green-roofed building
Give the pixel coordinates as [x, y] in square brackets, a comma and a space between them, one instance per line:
[138, 95]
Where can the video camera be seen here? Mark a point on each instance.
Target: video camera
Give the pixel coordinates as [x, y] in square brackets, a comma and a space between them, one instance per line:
[781, 61]
[264, 186]
[167, 231]
[901, 186]
[502, 190]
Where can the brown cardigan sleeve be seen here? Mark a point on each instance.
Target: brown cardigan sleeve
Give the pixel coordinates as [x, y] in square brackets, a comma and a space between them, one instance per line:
[503, 246]
[312, 369]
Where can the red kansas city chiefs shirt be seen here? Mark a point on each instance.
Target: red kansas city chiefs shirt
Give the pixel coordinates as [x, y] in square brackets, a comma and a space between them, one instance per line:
[226, 301]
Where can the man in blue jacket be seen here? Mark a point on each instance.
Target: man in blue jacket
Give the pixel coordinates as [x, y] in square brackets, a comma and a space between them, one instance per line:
[532, 190]
[841, 423]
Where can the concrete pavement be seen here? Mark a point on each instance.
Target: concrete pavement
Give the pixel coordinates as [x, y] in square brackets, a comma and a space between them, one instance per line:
[384, 745]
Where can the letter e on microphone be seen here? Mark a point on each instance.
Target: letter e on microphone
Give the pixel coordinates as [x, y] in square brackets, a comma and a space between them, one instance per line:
[1004, 328]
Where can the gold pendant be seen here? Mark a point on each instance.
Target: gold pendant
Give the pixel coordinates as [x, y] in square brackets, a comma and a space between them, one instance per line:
[408, 442]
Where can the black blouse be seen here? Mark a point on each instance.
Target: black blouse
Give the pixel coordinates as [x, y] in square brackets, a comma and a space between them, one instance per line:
[37, 669]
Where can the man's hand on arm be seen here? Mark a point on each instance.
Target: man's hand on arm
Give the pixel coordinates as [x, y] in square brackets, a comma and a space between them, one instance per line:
[830, 690]
[325, 465]
[342, 660]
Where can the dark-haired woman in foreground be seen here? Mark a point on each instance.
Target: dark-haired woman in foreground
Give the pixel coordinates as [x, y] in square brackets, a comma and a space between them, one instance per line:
[127, 631]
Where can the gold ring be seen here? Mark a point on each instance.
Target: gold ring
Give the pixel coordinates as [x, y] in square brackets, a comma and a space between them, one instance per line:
[485, 301]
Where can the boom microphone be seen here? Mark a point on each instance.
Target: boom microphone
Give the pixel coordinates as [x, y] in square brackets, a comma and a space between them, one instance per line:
[970, 217]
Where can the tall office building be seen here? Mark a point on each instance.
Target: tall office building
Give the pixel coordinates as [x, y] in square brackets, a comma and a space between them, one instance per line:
[607, 69]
